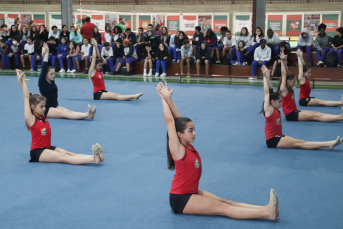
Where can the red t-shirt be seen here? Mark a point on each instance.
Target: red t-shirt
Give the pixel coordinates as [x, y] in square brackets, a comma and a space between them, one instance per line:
[305, 90]
[41, 134]
[188, 172]
[273, 125]
[87, 30]
[98, 82]
[288, 103]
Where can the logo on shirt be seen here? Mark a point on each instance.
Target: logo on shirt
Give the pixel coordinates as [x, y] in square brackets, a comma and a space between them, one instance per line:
[196, 163]
[99, 76]
[292, 96]
[43, 131]
[278, 121]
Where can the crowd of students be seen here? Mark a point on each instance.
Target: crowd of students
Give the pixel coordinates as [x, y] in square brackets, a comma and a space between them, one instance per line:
[120, 48]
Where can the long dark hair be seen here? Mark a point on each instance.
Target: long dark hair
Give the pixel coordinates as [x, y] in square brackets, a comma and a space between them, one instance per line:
[164, 35]
[255, 35]
[74, 44]
[75, 31]
[14, 34]
[180, 126]
[209, 34]
[177, 37]
[109, 26]
[290, 76]
[119, 29]
[273, 95]
[165, 50]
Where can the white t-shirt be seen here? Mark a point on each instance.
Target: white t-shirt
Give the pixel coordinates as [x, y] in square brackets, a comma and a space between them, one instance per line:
[85, 49]
[108, 37]
[29, 48]
[105, 52]
[55, 35]
[230, 42]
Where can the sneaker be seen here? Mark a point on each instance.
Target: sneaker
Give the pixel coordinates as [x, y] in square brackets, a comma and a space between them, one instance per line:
[319, 62]
[338, 65]
[237, 64]
[68, 71]
[218, 62]
[144, 74]
[62, 70]
[39, 69]
[253, 78]
[150, 74]
[72, 71]
[178, 61]
[157, 75]
[86, 71]
[32, 70]
[245, 63]
[163, 74]
[174, 61]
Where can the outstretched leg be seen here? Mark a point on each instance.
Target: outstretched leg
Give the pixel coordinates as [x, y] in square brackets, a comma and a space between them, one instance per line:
[320, 102]
[288, 142]
[57, 157]
[317, 116]
[60, 112]
[115, 96]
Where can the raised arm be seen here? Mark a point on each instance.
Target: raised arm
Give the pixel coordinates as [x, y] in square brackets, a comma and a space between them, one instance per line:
[44, 71]
[267, 88]
[283, 87]
[168, 99]
[301, 77]
[176, 149]
[29, 118]
[92, 67]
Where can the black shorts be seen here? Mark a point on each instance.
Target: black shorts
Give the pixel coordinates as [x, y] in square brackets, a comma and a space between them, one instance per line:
[293, 116]
[178, 202]
[46, 111]
[202, 61]
[272, 142]
[35, 153]
[97, 95]
[305, 101]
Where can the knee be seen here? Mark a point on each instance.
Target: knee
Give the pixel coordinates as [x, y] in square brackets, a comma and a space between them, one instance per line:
[206, 61]
[299, 142]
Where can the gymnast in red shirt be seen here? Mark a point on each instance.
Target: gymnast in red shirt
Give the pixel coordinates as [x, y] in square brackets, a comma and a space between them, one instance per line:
[95, 75]
[305, 87]
[41, 148]
[185, 196]
[273, 125]
[285, 88]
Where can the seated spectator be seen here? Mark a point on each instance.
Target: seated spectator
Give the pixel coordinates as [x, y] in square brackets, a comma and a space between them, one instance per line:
[229, 45]
[161, 59]
[140, 40]
[4, 35]
[262, 57]
[43, 33]
[24, 34]
[75, 36]
[107, 56]
[172, 45]
[203, 58]
[17, 23]
[52, 43]
[322, 44]
[337, 45]
[220, 46]
[87, 28]
[117, 33]
[152, 37]
[34, 33]
[179, 40]
[129, 56]
[273, 41]
[158, 29]
[64, 33]
[73, 52]
[117, 52]
[4, 55]
[255, 40]
[14, 33]
[148, 59]
[15, 51]
[211, 40]
[28, 52]
[131, 36]
[197, 39]
[54, 33]
[242, 55]
[85, 49]
[98, 37]
[305, 41]
[107, 35]
[276, 70]
[186, 56]
[242, 52]
[36, 54]
[164, 38]
[62, 52]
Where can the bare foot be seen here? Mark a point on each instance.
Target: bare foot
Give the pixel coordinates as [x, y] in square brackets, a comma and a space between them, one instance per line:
[138, 95]
[100, 152]
[93, 112]
[89, 112]
[272, 206]
[96, 155]
[335, 142]
[277, 206]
